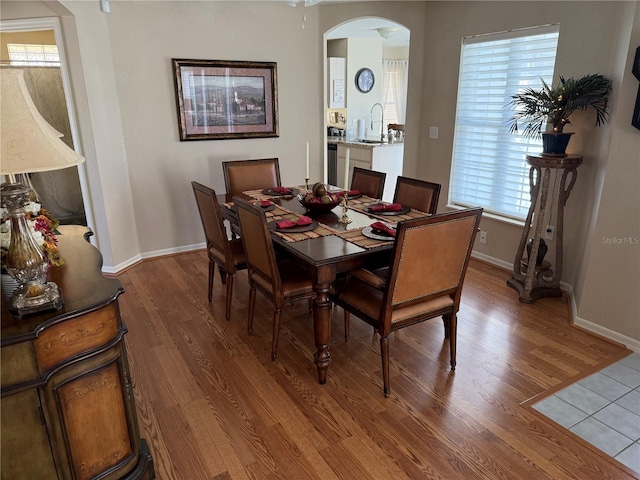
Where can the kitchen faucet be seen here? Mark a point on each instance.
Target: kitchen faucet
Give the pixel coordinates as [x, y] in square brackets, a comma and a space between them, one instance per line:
[381, 120]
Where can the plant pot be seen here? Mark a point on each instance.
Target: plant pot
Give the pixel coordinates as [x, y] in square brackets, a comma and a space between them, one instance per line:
[555, 143]
[542, 250]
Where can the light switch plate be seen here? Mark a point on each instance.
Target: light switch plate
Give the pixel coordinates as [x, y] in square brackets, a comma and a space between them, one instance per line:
[433, 132]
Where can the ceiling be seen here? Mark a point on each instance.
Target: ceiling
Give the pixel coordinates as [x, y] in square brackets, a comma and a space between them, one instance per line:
[366, 28]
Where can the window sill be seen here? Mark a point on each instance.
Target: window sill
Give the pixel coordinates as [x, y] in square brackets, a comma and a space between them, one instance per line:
[493, 216]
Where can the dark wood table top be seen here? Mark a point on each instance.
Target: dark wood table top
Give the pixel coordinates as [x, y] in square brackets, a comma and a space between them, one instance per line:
[316, 252]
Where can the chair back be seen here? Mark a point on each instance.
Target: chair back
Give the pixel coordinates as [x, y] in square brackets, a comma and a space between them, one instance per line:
[243, 175]
[214, 230]
[258, 247]
[430, 261]
[368, 182]
[398, 127]
[417, 194]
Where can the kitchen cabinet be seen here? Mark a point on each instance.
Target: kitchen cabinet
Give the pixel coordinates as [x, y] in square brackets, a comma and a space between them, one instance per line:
[67, 407]
[336, 84]
[381, 157]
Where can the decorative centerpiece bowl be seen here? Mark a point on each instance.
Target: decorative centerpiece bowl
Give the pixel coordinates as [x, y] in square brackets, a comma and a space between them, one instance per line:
[319, 199]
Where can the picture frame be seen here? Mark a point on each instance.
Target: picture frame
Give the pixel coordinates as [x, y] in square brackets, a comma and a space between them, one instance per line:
[222, 99]
[635, 120]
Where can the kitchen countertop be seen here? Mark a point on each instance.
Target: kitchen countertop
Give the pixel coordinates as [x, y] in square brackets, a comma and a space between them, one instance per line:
[360, 143]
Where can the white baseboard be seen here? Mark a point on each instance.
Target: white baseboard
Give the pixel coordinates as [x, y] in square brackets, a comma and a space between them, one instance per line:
[121, 266]
[156, 253]
[629, 342]
[492, 260]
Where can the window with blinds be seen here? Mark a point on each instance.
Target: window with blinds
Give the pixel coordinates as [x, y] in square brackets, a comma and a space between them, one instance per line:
[21, 54]
[489, 167]
[391, 98]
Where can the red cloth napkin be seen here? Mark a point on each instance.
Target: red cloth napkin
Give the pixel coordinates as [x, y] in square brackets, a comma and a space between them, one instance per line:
[384, 228]
[281, 190]
[350, 193]
[285, 224]
[392, 207]
[301, 222]
[264, 203]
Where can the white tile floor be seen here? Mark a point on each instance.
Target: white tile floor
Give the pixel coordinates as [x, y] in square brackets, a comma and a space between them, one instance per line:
[603, 409]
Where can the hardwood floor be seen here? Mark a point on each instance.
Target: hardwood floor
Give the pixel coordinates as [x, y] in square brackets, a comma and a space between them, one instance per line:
[212, 404]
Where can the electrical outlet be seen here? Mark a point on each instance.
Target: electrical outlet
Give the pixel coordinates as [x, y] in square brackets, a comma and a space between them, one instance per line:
[548, 234]
[483, 237]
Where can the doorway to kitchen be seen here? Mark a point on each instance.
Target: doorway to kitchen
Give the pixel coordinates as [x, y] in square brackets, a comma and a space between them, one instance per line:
[35, 46]
[366, 61]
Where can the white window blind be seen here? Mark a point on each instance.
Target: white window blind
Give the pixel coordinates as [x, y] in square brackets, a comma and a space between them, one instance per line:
[390, 98]
[489, 167]
[21, 54]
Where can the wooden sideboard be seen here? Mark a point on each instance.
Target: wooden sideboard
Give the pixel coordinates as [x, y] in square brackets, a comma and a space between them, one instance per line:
[68, 409]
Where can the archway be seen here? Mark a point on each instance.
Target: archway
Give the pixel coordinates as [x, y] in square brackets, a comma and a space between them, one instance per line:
[381, 47]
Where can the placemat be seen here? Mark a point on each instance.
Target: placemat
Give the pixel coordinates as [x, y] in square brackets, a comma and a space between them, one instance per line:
[362, 201]
[356, 236]
[388, 218]
[258, 195]
[321, 231]
[276, 212]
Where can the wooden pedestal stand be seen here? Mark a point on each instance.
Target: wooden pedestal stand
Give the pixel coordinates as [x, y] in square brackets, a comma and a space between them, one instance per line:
[543, 281]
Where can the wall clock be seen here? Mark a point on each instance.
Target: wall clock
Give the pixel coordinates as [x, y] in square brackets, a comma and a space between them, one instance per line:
[365, 80]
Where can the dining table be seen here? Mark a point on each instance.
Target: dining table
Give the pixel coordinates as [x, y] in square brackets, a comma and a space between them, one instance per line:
[327, 251]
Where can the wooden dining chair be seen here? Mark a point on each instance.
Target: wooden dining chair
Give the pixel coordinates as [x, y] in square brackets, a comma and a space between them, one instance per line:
[243, 175]
[227, 254]
[278, 280]
[410, 192]
[429, 264]
[417, 194]
[368, 182]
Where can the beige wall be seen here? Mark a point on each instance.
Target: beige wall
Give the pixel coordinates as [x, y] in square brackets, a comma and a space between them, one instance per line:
[364, 53]
[140, 171]
[609, 297]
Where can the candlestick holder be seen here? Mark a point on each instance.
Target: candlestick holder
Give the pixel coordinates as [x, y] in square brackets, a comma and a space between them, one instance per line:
[306, 182]
[345, 206]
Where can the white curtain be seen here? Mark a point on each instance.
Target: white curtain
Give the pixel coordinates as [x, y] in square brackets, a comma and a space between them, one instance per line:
[394, 89]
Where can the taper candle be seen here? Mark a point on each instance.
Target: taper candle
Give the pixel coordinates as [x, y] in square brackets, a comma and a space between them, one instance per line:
[307, 160]
[346, 170]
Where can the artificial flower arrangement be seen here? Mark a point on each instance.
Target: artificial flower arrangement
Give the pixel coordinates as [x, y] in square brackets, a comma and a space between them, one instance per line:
[44, 228]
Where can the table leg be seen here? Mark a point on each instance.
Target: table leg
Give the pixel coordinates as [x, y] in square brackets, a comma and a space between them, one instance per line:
[322, 323]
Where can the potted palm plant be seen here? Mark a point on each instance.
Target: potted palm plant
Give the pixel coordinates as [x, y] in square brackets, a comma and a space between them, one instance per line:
[554, 105]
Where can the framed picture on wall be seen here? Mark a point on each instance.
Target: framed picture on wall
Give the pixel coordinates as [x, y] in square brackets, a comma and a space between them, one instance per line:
[635, 120]
[221, 99]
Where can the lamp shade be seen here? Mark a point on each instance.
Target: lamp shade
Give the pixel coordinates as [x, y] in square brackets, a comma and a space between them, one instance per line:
[28, 142]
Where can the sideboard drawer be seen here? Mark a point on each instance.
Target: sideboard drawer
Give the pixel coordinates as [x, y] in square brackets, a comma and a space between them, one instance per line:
[18, 365]
[76, 336]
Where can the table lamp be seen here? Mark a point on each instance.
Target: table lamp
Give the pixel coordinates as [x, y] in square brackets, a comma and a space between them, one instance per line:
[28, 144]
